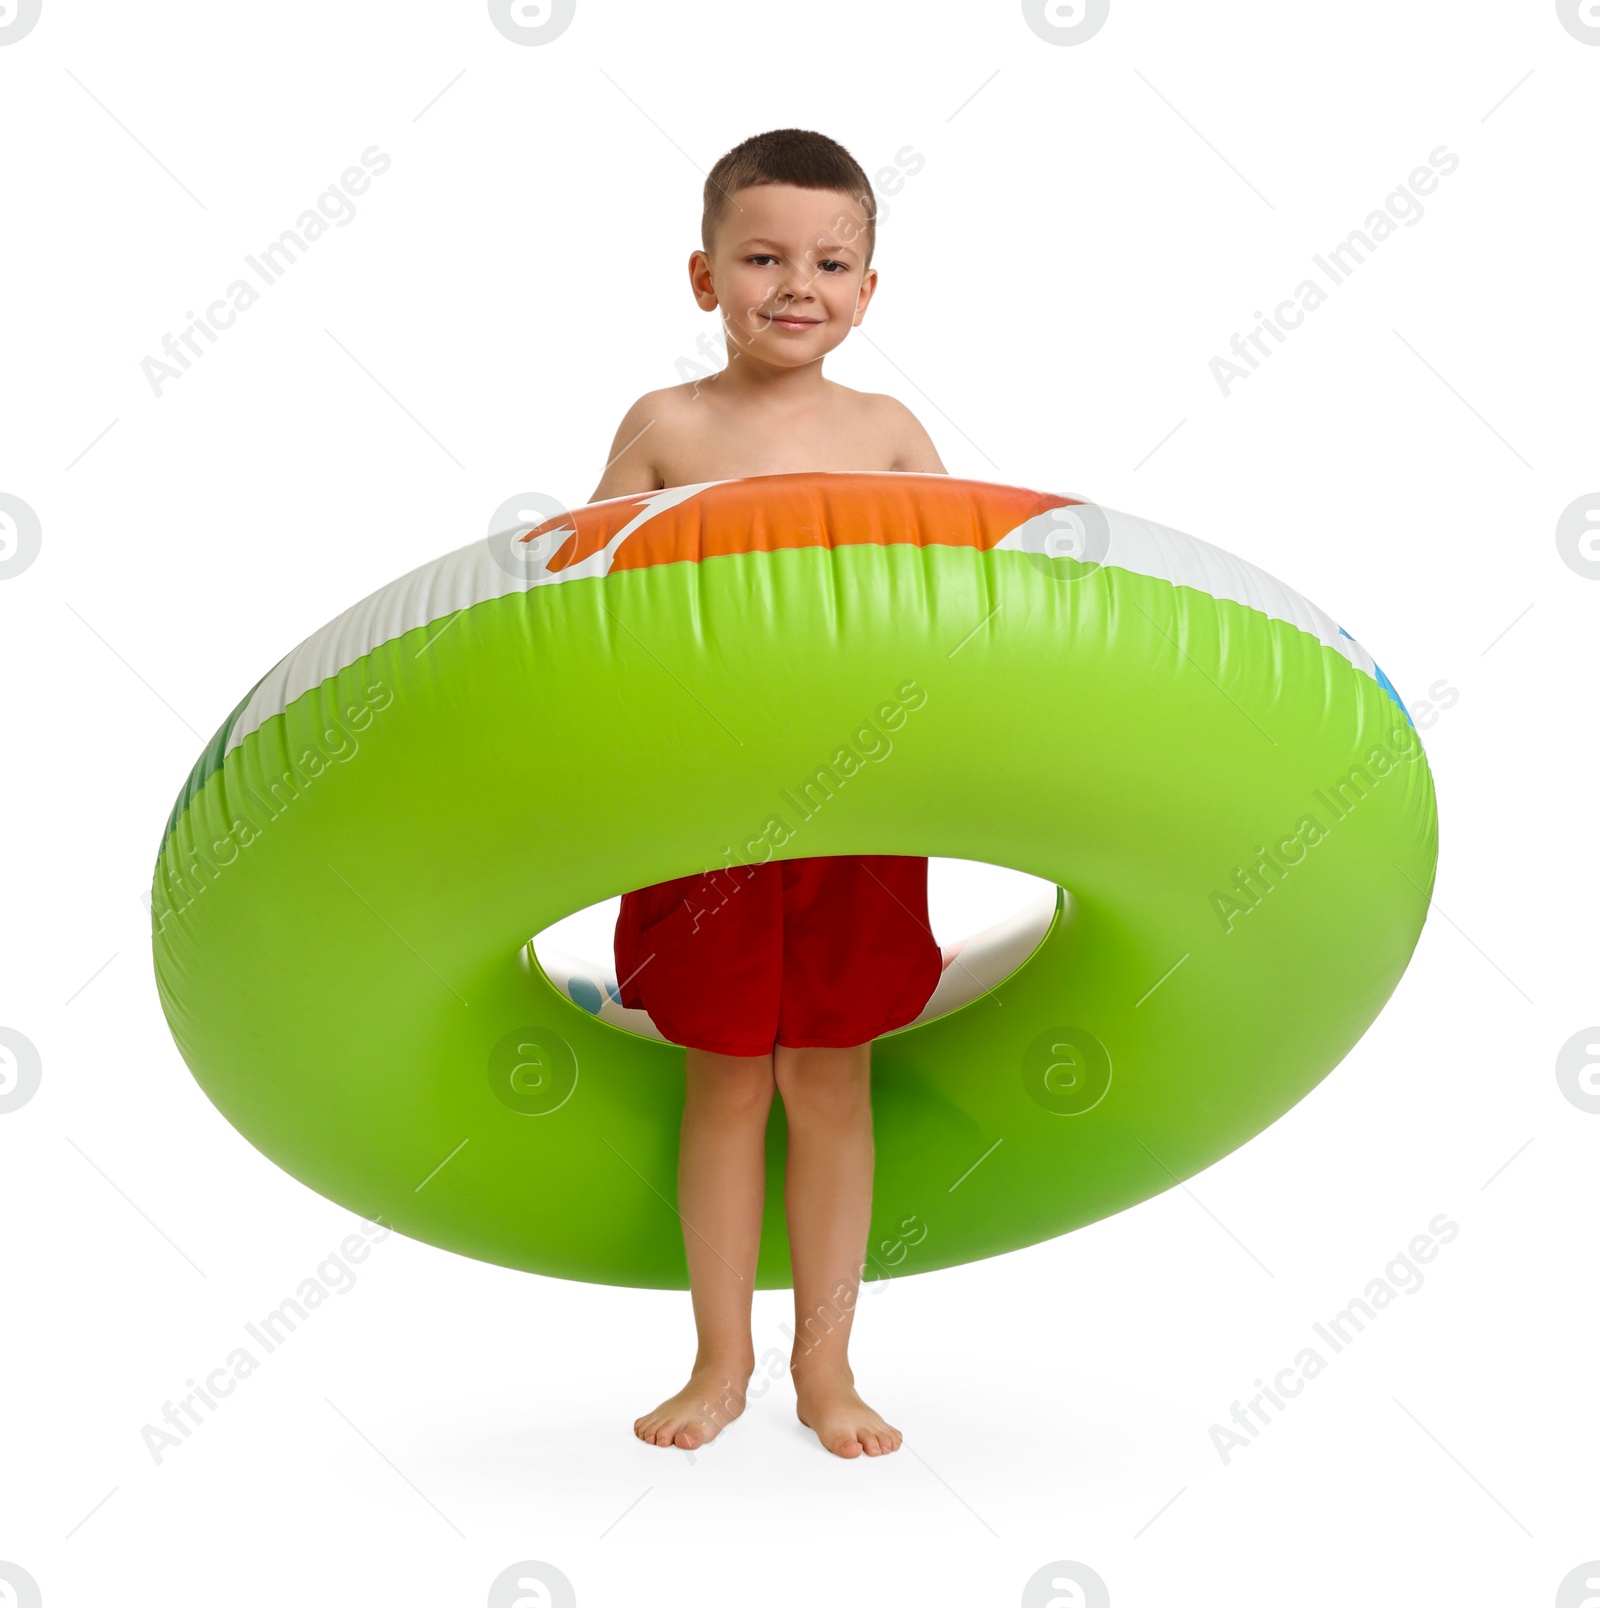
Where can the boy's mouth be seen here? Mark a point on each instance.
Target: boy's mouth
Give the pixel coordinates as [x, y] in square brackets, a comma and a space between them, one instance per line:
[784, 322]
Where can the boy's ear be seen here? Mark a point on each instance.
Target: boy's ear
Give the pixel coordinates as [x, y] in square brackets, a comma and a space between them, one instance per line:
[700, 281]
[869, 283]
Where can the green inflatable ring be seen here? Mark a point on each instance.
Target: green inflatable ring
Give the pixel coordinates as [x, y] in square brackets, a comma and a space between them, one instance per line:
[1226, 790]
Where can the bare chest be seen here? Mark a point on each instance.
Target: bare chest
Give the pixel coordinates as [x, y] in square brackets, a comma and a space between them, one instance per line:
[715, 443]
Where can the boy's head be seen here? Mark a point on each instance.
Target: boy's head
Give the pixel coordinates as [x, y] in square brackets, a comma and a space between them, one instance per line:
[788, 228]
[792, 156]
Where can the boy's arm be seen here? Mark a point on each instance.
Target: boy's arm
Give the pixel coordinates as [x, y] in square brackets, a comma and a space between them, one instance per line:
[914, 451]
[632, 466]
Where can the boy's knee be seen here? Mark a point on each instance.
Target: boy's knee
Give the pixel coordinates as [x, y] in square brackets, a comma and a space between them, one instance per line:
[823, 1083]
[735, 1084]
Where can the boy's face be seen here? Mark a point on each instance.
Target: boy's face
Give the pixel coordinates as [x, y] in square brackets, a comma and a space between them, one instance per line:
[787, 268]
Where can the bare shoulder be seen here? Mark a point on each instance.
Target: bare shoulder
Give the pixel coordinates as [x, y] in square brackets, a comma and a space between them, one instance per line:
[909, 447]
[639, 447]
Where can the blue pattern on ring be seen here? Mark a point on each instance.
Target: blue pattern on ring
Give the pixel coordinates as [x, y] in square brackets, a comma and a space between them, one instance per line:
[584, 993]
[1385, 683]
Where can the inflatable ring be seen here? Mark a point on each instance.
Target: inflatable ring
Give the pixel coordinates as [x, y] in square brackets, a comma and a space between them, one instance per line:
[1225, 789]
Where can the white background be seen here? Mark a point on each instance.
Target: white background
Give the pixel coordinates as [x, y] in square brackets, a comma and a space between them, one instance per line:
[1090, 225]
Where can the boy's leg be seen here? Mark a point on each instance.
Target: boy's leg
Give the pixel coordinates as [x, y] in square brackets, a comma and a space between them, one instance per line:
[721, 1190]
[828, 1199]
[709, 948]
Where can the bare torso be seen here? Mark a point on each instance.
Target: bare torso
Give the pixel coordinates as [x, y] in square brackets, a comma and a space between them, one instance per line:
[692, 433]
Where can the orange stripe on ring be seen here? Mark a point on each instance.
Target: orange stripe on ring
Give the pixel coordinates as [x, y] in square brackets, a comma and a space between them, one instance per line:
[763, 513]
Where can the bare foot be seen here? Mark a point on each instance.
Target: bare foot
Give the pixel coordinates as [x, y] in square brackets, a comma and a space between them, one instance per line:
[713, 1397]
[828, 1403]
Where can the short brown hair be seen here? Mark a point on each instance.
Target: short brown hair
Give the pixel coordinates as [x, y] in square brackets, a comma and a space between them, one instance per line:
[786, 156]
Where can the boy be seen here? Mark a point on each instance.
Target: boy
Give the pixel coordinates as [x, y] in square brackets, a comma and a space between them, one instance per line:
[825, 954]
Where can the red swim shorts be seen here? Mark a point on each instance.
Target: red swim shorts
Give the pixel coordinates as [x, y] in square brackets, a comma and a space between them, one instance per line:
[833, 950]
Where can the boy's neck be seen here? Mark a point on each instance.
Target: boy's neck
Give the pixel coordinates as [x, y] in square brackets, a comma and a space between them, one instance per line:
[748, 380]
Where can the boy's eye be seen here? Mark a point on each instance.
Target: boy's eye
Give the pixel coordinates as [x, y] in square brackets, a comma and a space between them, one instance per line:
[831, 262]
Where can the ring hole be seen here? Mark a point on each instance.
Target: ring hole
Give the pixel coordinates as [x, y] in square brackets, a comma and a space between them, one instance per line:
[986, 918]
